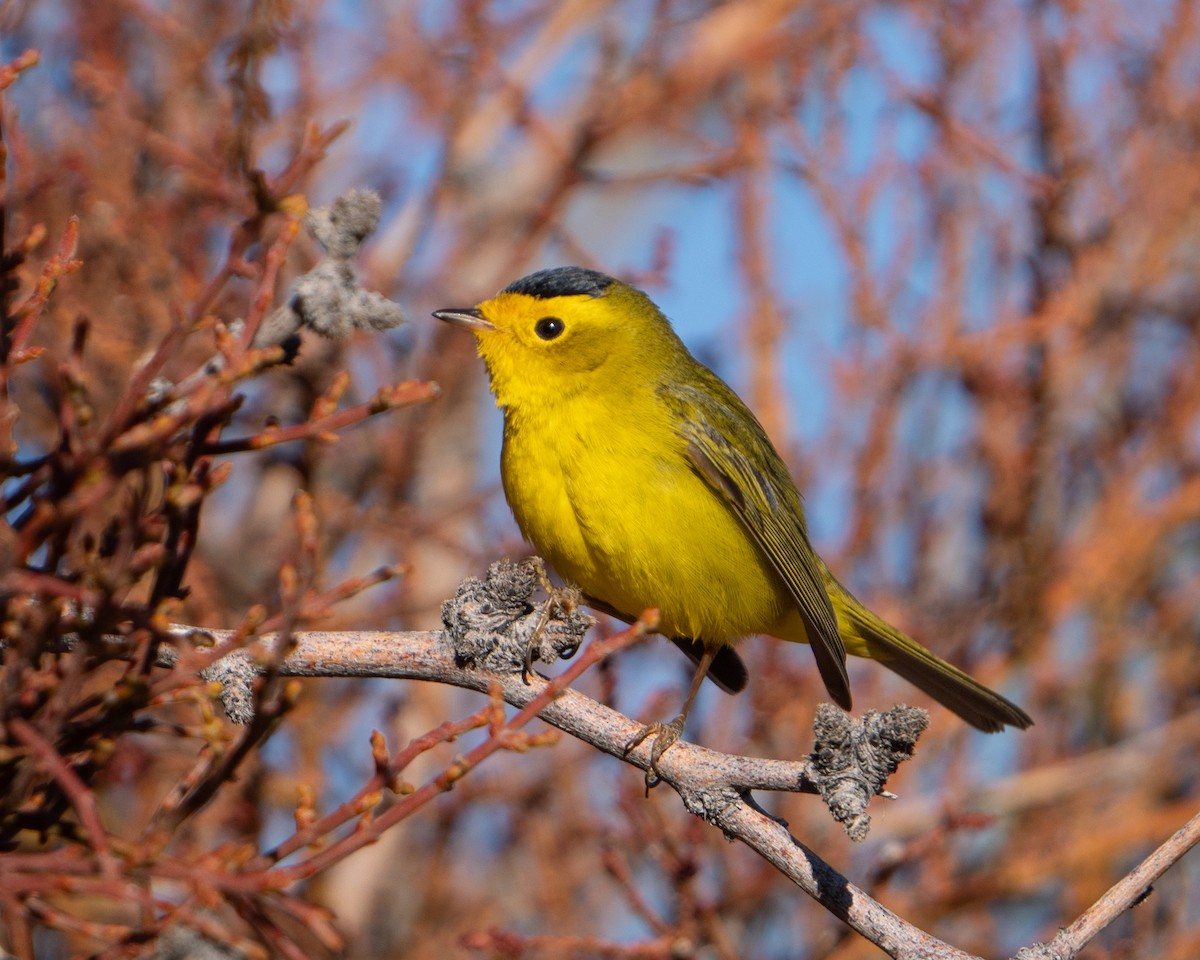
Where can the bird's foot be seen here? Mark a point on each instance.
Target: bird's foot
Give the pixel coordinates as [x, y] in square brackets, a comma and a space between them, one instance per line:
[560, 601]
[664, 736]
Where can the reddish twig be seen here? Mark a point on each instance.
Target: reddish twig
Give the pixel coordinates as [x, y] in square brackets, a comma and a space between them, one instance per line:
[387, 398]
[363, 800]
[58, 266]
[312, 151]
[265, 294]
[501, 739]
[81, 798]
[13, 69]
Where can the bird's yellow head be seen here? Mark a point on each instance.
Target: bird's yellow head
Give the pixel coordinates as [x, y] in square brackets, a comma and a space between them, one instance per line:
[565, 330]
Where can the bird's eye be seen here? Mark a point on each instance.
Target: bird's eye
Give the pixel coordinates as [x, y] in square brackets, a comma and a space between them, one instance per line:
[549, 328]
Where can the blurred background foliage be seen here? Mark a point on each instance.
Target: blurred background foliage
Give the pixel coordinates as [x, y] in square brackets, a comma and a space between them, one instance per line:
[945, 250]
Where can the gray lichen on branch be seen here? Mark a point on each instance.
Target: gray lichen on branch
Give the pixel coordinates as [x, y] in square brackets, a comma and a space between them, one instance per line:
[854, 757]
[494, 624]
[328, 299]
[236, 674]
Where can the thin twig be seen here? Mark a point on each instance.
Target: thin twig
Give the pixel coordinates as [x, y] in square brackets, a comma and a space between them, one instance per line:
[1128, 892]
[400, 395]
[82, 799]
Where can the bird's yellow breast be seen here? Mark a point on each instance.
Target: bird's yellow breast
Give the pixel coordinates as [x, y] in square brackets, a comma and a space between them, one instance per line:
[606, 494]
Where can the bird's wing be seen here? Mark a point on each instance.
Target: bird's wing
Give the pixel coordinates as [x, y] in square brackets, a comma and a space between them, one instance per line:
[729, 449]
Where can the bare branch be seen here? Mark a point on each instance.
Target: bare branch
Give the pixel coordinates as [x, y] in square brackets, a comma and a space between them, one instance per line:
[712, 785]
[1132, 889]
[493, 624]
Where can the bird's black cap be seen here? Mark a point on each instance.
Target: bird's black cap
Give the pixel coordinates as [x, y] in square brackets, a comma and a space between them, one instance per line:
[562, 282]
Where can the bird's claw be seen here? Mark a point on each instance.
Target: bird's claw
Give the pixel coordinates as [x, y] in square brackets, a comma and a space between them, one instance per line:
[664, 736]
[559, 601]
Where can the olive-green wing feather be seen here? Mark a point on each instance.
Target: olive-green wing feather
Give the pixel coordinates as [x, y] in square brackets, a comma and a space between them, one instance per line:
[730, 450]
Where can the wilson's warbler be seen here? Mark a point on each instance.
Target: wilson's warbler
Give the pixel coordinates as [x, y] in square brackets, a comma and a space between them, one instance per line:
[643, 479]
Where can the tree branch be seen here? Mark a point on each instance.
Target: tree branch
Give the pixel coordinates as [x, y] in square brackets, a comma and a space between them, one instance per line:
[1128, 892]
[494, 630]
[712, 785]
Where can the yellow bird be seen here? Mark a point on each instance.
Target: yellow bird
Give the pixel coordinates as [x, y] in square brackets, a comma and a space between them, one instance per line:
[644, 480]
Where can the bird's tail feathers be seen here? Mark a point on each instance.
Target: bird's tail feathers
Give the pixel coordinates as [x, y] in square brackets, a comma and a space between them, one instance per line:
[980, 706]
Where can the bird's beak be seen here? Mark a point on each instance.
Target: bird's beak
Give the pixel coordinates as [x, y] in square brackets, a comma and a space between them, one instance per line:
[471, 318]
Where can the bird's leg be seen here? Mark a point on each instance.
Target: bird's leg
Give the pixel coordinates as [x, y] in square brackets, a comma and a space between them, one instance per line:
[665, 734]
[558, 600]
